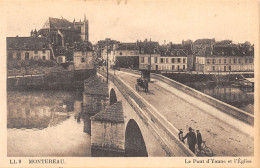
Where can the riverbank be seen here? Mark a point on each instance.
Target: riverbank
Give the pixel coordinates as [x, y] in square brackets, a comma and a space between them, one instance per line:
[53, 80]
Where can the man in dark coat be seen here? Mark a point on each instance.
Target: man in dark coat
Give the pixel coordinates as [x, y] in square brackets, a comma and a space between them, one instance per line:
[199, 139]
[191, 139]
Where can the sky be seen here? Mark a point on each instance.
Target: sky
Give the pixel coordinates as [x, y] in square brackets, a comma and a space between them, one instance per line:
[128, 21]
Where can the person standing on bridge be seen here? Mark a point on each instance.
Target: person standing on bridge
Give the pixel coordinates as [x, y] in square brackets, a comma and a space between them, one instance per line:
[192, 140]
[199, 139]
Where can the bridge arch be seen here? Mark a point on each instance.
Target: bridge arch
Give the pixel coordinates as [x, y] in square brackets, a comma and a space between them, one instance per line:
[134, 142]
[112, 97]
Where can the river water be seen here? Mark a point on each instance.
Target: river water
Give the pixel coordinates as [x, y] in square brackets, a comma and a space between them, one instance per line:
[47, 123]
[236, 96]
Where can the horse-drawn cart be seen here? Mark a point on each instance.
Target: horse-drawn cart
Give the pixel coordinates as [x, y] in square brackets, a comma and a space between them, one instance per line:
[143, 81]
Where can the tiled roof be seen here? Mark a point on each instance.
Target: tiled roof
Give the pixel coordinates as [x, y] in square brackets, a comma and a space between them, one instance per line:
[225, 51]
[127, 46]
[173, 52]
[55, 23]
[27, 43]
[95, 86]
[113, 113]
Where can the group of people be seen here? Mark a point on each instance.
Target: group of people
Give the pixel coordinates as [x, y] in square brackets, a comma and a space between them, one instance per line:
[193, 139]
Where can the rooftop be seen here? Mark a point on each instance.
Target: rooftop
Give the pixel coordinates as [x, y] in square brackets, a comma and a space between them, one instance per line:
[27, 43]
[95, 86]
[226, 51]
[55, 23]
[113, 113]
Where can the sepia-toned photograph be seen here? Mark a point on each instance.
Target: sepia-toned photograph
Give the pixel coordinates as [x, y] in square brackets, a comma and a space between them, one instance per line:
[125, 78]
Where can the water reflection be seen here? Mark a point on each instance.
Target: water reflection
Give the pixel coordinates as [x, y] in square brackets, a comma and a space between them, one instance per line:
[51, 123]
[42, 123]
[235, 96]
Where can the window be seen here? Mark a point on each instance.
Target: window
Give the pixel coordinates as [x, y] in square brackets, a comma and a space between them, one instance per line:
[219, 61]
[60, 59]
[235, 61]
[230, 61]
[208, 61]
[225, 61]
[26, 56]
[18, 56]
[166, 60]
[183, 67]
[213, 68]
[239, 61]
[173, 67]
[43, 51]
[246, 60]
[155, 60]
[142, 59]
[229, 68]
[184, 60]
[35, 51]
[173, 60]
[43, 57]
[179, 60]
[10, 56]
[82, 60]
[161, 60]
[120, 53]
[213, 61]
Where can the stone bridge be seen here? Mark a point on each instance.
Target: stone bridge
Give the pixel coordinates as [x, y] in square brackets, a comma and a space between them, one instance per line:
[124, 123]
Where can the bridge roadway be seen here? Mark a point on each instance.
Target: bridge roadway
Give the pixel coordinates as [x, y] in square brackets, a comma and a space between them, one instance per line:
[225, 135]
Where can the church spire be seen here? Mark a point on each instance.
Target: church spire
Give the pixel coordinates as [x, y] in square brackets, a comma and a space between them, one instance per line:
[84, 17]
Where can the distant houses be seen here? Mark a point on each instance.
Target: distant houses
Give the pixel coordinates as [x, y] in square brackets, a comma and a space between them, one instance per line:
[203, 55]
[26, 48]
[225, 59]
[59, 40]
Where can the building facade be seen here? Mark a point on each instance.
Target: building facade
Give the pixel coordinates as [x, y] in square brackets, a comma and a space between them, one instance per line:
[26, 48]
[172, 60]
[225, 59]
[125, 55]
[83, 60]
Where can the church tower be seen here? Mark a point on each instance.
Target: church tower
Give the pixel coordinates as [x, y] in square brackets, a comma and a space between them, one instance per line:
[82, 28]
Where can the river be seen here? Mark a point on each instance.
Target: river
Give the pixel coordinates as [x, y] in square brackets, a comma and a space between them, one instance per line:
[47, 123]
[233, 95]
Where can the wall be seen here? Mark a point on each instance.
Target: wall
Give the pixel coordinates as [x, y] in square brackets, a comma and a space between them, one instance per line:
[92, 104]
[88, 60]
[164, 64]
[107, 135]
[203, 65]
[32, 55]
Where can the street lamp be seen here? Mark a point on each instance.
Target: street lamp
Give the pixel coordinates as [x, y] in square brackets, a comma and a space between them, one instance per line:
[107, 62]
